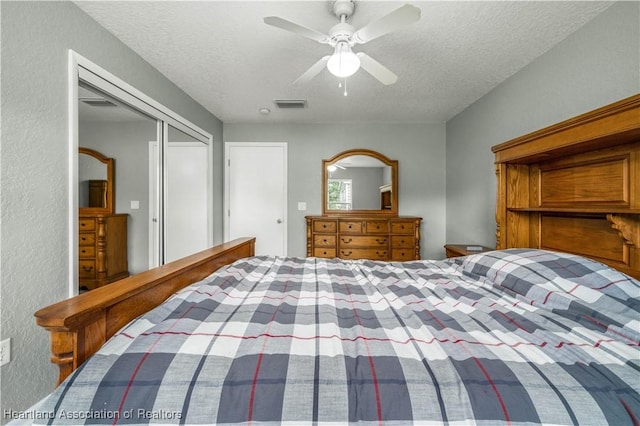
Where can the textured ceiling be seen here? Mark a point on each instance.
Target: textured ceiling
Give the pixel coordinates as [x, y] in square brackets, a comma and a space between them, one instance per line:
[225, 57]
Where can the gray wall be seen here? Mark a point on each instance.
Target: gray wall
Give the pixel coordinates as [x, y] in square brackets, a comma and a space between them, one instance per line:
[35, 38]
[595, 66]
[419, 149]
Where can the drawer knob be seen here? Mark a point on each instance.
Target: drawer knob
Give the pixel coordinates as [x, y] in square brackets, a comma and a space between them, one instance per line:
[346, 241]
[381, 241]
[87, 268]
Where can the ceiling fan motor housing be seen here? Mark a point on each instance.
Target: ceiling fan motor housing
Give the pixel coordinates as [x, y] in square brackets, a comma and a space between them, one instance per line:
[343, 7]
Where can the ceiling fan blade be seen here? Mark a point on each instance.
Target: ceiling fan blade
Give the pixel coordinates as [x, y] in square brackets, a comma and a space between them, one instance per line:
[395, 20]
[314, 70]
[295, 28]
[376, 69]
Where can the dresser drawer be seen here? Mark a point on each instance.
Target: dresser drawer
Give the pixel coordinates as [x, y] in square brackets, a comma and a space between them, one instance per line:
[87, 269]
[350, 227]
[406, 228]
[324, 240]
[363, 241]
[377, 227]
[401, 241]
[370, 253]
[87, 239]
[102, 249]
[86, 224]
[87, 252]
[324, 226]
[324, 252]
[402, 255]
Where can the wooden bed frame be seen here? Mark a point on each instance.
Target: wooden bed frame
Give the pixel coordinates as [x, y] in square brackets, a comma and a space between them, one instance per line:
[575, 187]
[80, 325]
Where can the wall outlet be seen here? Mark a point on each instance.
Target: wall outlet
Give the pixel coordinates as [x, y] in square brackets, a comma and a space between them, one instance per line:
[5, 351]
[302, 205]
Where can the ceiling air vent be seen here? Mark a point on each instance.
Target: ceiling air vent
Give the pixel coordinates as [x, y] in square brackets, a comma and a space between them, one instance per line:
[290, 103]
[97, 102]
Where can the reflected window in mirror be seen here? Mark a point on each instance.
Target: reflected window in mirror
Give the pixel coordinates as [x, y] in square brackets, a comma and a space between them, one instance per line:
[339, 194]
[360, 181]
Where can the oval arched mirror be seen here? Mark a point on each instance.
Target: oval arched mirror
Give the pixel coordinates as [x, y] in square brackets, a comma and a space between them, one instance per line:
[95, 182]
[360, 181]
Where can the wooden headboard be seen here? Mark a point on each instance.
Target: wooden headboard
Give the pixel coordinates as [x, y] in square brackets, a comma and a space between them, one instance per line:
[575, 187]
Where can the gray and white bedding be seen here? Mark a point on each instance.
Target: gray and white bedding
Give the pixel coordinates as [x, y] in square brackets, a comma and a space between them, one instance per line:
[508, 337]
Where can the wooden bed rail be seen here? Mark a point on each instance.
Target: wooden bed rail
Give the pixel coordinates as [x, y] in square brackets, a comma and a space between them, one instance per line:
[79, 326]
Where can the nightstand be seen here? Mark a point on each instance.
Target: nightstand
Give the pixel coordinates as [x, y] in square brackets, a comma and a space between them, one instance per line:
[455, 250]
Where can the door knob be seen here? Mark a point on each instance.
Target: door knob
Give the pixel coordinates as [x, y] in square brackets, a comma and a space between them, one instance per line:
[279, 221]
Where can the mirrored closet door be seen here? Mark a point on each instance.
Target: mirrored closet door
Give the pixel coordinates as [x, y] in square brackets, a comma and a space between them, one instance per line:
[161, 182]
[118, 204]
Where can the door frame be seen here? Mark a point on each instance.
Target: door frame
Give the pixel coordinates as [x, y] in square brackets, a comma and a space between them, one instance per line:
[227, 185]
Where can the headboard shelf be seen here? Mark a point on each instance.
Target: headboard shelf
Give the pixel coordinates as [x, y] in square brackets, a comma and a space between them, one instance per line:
[586, 210]
[575, 187]
[610, 125]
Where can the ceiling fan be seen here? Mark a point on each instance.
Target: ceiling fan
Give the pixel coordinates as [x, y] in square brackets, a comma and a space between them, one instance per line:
[343, 36]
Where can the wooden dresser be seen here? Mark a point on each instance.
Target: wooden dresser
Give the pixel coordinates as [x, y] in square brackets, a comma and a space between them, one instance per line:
[374, 237]
[102, 249]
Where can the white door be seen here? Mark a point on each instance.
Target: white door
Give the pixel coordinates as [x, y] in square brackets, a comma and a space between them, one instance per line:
[186, 205]
[256, 195]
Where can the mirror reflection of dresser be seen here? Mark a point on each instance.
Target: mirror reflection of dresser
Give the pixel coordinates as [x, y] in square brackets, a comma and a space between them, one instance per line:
[360, 211]
[102, 238]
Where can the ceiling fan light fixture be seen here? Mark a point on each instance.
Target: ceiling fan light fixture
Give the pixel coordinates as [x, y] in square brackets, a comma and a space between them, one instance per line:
[343, 63]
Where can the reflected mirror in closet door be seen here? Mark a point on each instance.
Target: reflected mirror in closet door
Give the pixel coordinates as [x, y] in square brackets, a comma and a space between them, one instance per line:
[95, 181]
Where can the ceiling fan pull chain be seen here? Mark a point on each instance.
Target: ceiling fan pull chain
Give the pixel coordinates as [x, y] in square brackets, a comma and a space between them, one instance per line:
[345, 87]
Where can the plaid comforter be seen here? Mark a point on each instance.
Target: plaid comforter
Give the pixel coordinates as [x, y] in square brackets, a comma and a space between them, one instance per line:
[506, 337]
